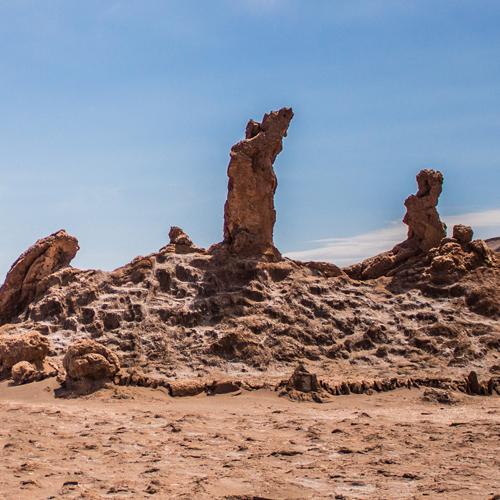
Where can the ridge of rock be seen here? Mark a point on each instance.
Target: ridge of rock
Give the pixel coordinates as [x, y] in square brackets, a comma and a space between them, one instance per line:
[42, 259]
[430, 305]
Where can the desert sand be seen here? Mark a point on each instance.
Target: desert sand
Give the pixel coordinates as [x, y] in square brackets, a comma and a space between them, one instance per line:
[131, 442]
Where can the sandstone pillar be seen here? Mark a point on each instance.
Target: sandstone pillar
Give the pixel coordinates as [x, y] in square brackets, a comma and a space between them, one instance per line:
[249, 214]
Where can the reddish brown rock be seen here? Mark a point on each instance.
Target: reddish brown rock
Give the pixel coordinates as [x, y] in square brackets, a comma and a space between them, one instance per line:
[23, 372]
[224, 387]
[463, 234]
[32, 347]
[249, 214]
[425, 229]
[183, 388]
[89, 366]
[180, 242]
[179, 237]
[303, 381]
[44, 258]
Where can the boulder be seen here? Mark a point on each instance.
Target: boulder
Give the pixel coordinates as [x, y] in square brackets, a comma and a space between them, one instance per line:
[473, 383]
[463, 234]
[44, 258]
[32, 347]
[303, 381]
[249, 213]
[23, 372]
[89, 366]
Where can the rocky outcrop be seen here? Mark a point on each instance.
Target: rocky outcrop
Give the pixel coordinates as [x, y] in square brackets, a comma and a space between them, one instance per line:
[179, 237]
[249, 214]
[180, 242]
[425, 229]
[463, 234]
[44, 258]
[239, 310]
[31, 347]
[89, 366]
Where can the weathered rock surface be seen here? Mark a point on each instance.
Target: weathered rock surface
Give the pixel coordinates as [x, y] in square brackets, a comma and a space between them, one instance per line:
[180, 242]
[425, 229]
[179, 237]
[206, 315]
[32, 347]
[239, 310]
[25, 278]
[426, 250]
[89, 365]
[463, 234]
[23, 372]
[249, 214]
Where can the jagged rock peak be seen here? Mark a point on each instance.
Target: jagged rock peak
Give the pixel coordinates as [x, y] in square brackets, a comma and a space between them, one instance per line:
[249, 213]
[42, 259]
[425, 229]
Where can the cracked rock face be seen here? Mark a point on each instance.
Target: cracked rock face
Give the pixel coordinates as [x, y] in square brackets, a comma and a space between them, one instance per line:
[425, 229]
[44, 258]
[249, 213]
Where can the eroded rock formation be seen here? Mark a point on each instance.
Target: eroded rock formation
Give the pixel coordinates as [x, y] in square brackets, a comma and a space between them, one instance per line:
[249, 214]
[425, 229]
[31, 347]
[185, 313]
[180, 242]
[89, 366]
[44, 258]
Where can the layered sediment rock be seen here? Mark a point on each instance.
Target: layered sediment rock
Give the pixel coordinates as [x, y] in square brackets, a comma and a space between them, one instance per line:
[249, 213]
[44, 258]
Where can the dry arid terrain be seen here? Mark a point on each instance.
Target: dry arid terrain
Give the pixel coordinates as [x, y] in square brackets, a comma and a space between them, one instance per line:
[141, 443]
[234, 373]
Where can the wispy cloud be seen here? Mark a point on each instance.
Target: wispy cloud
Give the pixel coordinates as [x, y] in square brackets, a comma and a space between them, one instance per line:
[347, 251]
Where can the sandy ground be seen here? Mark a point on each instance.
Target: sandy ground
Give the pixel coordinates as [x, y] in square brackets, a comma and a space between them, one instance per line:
[140, 443]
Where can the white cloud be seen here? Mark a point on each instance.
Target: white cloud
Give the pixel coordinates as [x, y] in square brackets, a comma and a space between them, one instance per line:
[347, 251]
[487, 218]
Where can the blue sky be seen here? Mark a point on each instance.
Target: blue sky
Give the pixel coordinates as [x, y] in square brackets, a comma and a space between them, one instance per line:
[117, 117]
